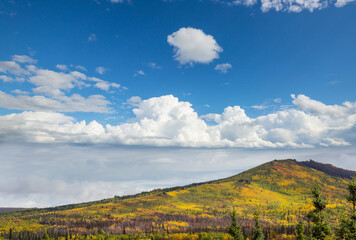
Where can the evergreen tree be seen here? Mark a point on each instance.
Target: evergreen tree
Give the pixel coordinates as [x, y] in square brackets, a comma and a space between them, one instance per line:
[11, 234]
[257, 233]
[347, 229]
[320, 229]
[235, 229]
[299, 233]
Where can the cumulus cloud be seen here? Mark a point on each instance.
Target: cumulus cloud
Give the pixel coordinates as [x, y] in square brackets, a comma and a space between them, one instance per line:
[73, 103]
[192, 45]
[341, 3]
[11, 67]
[223, 68]
[62, 67]
[294, 6]
[139, 73]
[103, 85]
[166, 121]
[51, 91]
[23, 59]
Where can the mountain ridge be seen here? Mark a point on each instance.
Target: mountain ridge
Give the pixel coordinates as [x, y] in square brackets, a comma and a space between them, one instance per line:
[279, 190]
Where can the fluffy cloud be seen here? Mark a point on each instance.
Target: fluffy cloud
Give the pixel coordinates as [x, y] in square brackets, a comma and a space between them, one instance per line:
[223, 68]
[341, 3]
[139, 73]
[62, 67]
[51, 88]
[192, 45]
[166, 121]
[23, 59]
[295, 6]
[11, 67]
[73, 103]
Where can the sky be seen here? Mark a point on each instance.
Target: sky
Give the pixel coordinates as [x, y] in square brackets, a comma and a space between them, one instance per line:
[110, 97]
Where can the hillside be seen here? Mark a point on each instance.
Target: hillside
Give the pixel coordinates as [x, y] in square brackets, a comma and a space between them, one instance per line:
[280, 190]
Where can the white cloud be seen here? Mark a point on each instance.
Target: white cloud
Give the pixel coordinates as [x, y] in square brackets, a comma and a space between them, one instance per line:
[192, 45]
[166, 121]
[341, 3]
[139, 73]
[62, 67]
[92, 37]
[20, 92]
[103, 85]
[81, 68]
[11, 67]
[52, 89]
[223, 68]
[260, 107]
[73, 103]
[23, 59]
[101, 70]
[277, 100]
[293, 5]
[242, 2]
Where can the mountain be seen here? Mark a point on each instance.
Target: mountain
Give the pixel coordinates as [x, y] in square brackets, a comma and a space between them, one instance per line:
[279, 190]
[2, 209]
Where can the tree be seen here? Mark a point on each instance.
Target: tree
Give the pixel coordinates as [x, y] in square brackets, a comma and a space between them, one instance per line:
[347, 229]
[320, 229]
[10, 234]
[257, 233]
[235, 229]
[299, 233]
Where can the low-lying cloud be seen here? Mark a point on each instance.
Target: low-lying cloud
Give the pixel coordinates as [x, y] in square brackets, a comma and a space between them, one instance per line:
[41, 175]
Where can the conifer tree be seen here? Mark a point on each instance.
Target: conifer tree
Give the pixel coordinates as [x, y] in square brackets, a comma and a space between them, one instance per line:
[10, 234]
[235, 229]
[299, 233]
[347, 229]
[320, 229]
[257, 233]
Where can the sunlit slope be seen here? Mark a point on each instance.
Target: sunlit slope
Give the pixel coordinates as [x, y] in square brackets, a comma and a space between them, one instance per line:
[280, 190]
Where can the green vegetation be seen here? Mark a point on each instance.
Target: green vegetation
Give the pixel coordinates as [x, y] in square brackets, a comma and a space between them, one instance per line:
[279, 191]
[320, 228]
[347, 228]
[235, 229]
[300, 232]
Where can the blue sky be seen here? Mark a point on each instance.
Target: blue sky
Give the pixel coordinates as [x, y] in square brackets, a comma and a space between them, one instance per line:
[225, 75]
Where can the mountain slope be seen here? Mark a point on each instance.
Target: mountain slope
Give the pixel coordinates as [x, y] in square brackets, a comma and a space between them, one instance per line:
[280, 190]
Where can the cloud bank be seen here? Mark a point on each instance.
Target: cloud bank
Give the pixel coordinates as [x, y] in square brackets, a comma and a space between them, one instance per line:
[166, 121]
[62, 174]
